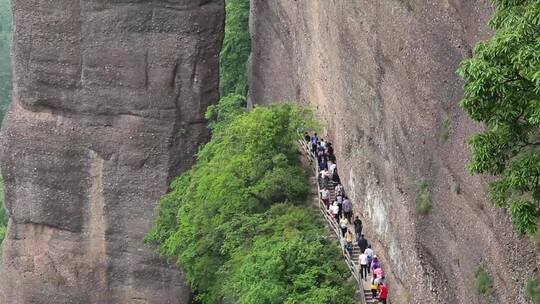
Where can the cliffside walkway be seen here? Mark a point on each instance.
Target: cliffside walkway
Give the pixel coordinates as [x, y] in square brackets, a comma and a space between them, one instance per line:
[352, 260]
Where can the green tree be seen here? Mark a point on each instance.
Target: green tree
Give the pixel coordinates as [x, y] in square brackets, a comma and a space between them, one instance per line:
[502, 91]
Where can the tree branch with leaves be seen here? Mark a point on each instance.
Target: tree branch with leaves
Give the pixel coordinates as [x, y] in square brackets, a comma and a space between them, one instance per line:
[502, 91]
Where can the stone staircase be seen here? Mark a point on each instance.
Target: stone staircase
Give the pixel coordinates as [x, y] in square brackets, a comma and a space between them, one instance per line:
[352, 260]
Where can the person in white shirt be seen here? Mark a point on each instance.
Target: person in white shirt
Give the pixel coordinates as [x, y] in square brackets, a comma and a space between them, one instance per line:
[363, 266]
[325, 178]
[335, 211]
[369, 253]
[325, 197]
[332, 167]
[339, 189]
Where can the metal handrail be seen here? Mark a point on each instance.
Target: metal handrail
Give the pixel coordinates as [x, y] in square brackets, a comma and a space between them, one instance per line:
[331, 222]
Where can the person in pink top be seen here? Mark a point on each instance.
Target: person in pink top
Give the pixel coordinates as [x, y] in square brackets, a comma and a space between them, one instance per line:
[378, 272]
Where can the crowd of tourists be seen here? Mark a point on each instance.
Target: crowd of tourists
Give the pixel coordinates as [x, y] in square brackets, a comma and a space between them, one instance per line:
[341, 210]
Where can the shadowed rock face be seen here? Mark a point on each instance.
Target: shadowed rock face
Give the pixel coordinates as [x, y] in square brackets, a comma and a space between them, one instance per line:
[381, 76]
[108, 105]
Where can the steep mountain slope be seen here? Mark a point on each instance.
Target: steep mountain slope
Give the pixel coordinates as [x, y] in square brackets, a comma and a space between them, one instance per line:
[108, 105]
[381, 74]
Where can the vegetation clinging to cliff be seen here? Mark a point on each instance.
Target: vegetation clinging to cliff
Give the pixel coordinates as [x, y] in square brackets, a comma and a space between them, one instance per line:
[503, 91]
[238, 223]
[236, 49]
[5, 58]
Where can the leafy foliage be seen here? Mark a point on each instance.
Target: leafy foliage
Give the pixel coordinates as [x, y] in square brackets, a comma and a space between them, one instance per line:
[236, 222]
[5, 58]
[532, 290]
[502, 91]
[482, 281]
[236, 49]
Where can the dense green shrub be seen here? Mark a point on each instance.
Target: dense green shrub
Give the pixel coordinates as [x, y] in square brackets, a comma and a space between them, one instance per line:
[238, 223]
[236, 49]
[503, 91]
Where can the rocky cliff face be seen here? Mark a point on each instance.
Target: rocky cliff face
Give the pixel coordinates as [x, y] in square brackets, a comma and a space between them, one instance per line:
[381, 76]
[108, 105]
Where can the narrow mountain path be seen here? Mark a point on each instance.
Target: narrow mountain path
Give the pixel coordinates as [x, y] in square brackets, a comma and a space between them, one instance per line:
[352, 260]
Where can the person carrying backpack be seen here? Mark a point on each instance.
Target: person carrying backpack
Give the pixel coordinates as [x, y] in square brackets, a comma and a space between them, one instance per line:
[369, 253]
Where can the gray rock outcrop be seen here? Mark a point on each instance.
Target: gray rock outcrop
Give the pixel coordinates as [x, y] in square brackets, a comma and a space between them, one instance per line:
[108, 105]
[381, 76]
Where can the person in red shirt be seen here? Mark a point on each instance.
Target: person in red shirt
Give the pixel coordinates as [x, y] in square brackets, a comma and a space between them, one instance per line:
[383, 294]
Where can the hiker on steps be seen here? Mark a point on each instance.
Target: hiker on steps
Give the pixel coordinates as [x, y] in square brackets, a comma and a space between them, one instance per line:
[334, 209]
[307, 137]
[363, 266]
[340, 205]
[331, 167]
[325, 178]
[323, 165]
[325, 197]
[369, 253]
[362, 243]
[339, 189]
[374, 288]
[329, 149]
[323, 144]
[383, 295]
[343, 224]
[357, 228]
[375, 263]
[378, 272]
[335, 177]
[348, 242]
[347, 209]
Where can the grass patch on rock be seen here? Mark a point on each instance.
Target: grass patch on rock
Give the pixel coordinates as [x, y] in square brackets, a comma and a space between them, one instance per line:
[482, 281]
[423, 201]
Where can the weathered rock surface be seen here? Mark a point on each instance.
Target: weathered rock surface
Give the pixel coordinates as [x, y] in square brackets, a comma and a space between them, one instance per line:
[109, 102]
[381, 75]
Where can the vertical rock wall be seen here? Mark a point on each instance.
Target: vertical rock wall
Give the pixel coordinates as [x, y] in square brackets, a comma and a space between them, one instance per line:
[108, 105]
[381, 76]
